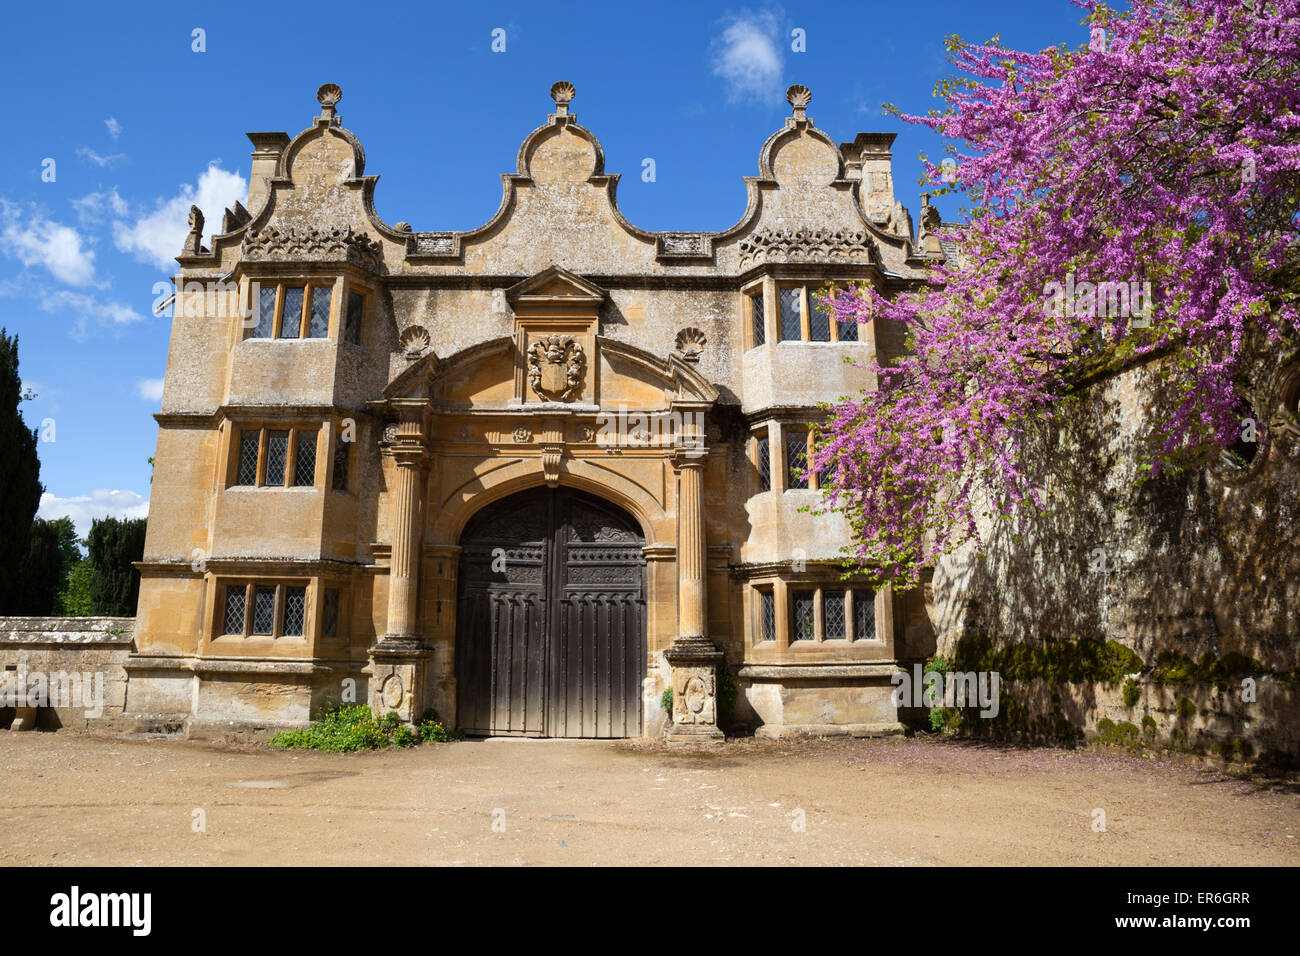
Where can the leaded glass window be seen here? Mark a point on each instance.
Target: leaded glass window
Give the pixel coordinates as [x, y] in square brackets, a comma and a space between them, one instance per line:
[791, 315]
[352, 326]
[265, 312]
[304, 465]
[761, 451]
[804, 622]
[864, 615]
[796, 457]
[291, 323]
[277, 455]
[247, 471]
[819, 326]
[263, 610]
[766, 616]
[329, 617]
[319, 326]
[756, 316]
[833, 616]
[340, 480]
[849, 331]
[295, 611]
[236, 602]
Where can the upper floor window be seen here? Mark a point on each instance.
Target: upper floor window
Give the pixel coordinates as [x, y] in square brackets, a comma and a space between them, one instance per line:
[339, 477]
[791, 301]
[277, 457]
[352, 321]
[796, 459]
[763, 462]
[757, 319]
[799, 319]
[293, 311]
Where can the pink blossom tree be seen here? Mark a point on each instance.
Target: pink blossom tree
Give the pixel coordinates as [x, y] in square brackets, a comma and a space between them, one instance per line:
[1132, 200]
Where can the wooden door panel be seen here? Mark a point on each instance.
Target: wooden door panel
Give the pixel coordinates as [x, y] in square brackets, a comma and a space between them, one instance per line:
[551, 640]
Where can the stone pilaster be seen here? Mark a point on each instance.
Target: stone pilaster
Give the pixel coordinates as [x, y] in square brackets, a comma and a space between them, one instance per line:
[399, 660]
[693, 657]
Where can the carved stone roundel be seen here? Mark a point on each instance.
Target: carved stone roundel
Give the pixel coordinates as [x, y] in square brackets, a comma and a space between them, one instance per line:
[391, 692]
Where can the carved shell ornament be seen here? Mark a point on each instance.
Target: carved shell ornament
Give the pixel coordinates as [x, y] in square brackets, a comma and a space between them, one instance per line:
[690, 342]
[798, 96]
[556, 365]
[328, 97]
[414, 341]
[563, 93]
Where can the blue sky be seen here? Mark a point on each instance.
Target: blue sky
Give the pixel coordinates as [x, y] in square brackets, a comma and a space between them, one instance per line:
[140, 125]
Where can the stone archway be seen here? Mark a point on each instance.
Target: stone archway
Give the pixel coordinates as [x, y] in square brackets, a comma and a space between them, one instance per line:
[551, 622]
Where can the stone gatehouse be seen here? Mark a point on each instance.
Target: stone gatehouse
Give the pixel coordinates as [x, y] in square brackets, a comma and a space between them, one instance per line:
[532, 474]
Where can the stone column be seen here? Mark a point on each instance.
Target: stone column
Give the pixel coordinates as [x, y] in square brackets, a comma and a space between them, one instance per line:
[693, 657]
[404, 566]
[399, 660]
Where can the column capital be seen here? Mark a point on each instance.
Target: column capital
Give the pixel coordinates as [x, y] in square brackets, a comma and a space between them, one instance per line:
[688, 456]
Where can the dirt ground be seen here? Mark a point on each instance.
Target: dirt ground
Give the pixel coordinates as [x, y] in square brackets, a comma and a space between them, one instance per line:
[68, 798]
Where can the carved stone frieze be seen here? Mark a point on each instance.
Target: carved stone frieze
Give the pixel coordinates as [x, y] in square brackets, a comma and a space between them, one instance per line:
[330, 243]
[807, 245]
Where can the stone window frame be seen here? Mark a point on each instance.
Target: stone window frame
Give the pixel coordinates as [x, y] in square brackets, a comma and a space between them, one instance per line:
[264, 428]
[783, 591]
[250, 585]
[308, 284]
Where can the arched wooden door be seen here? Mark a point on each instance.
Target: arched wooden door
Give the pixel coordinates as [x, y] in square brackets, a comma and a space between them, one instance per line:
[550, 625]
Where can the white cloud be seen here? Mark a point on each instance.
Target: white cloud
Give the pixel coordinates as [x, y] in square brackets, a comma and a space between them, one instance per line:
[114, 127]
[100, 503]
[42, 242]
[94, 207]
[748, 56]
[85, 152]
[87, 309]
[157, 237]
[150, 388]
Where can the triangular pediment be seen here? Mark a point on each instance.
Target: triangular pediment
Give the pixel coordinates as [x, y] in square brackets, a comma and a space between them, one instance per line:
[556, 286]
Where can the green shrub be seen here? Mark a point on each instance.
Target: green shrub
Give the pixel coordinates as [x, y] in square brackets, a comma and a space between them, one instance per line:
[1123, 734]
[943, 720]
[666, 700]
[343, 728]
[433, 730]
[1132, 693]
[1149, 727]
[1186, 708]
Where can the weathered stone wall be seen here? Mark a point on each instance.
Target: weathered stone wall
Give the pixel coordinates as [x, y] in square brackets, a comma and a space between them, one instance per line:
[50, 646]
[1197, 574]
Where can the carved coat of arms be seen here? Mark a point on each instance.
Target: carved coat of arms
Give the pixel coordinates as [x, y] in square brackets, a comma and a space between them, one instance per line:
[556, 364]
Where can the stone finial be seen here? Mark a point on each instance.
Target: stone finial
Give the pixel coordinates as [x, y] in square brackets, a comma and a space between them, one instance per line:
[798, 96]
[563, 93]
[328, 97]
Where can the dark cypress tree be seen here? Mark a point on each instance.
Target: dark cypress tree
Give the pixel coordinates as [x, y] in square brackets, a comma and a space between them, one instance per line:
[51, 554]
[115, 585]
[20, 473]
